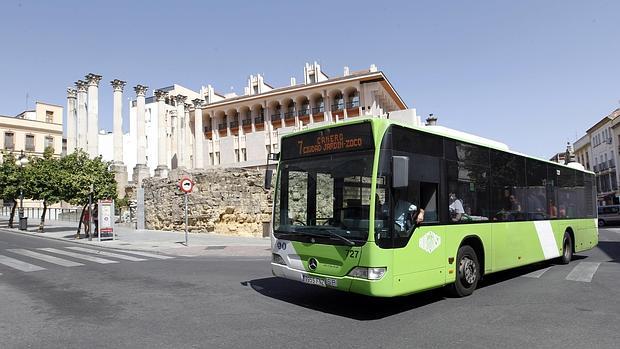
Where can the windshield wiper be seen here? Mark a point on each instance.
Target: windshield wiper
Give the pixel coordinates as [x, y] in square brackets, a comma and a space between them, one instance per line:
[317, 232]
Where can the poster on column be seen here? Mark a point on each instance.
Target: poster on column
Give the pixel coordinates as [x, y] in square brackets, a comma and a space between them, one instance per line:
[106, 220]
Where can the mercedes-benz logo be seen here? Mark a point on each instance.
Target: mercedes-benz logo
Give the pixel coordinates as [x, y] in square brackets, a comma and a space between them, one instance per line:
[313, 263]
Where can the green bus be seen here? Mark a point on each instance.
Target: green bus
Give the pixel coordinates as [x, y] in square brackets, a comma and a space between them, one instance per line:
[348, 195]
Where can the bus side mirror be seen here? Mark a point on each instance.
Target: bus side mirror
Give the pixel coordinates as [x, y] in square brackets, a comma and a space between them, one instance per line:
[400, 171]
[268, 175]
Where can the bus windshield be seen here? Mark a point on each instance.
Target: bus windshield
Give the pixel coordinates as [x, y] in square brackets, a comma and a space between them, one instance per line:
[324, 199]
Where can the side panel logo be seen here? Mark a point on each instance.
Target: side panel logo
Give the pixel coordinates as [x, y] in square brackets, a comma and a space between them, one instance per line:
[313, 263]
[429, 242]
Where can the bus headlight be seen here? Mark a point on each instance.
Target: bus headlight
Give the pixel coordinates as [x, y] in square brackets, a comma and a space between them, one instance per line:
[368, 273]
[277, 259]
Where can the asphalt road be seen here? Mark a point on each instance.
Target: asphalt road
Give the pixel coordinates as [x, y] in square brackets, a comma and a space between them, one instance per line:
[209, 302]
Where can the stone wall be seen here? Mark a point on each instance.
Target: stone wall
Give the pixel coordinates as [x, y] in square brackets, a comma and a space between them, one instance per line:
[227, 201]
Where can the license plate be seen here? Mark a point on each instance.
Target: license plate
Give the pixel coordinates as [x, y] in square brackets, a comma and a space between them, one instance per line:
[312, 280]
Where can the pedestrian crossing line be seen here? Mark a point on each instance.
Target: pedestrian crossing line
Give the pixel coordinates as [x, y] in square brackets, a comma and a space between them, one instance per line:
[79, 256]
[107, 254]
[147, 254]
[584, 271]
[19, 265]
[537, 273]
[45, 258]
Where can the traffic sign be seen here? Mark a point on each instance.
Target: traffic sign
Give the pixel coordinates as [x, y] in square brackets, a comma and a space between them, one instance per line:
[186, 185]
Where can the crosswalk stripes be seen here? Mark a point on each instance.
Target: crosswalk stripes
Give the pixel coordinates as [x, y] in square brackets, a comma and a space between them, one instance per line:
[79, 256]
[107, 254]
[583, 272]
[147, 254]
[19, 265]
[537, 273]
[46, 258]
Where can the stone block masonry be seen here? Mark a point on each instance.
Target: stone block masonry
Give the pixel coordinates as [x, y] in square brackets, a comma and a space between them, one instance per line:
[224, 201]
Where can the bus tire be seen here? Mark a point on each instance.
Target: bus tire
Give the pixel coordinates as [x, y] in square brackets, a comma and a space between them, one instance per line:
[467, 272]
[567, 249]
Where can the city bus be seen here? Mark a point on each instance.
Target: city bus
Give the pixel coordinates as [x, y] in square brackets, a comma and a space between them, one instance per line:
[339, 222]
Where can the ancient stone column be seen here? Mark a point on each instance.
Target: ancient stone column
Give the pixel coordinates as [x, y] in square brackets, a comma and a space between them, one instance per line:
[188, 150]
[93, 114]
[180, 130]
[82, 121]
[141, 170]
[198, 134]
[71, 120]
[162, 137]
[118, 167]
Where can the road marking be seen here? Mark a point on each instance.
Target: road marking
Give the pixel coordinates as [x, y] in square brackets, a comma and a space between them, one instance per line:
[537, 273]
[19, 265]
[583, 272]
[107, 254]
[147, 254]
[46, 258]
[79, 256]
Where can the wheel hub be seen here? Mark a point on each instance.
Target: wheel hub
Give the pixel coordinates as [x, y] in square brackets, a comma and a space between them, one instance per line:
[468, 270]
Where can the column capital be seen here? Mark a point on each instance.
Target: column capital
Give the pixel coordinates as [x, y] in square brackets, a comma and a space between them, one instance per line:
[180, 99]
[71, 92]
[160, 95]
[81, 86]
[197, 102]
[93, 79]
[118, 85]
[140, 90]
[189, 107]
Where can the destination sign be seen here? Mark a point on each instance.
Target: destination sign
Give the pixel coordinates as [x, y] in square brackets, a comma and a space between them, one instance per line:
[333, 140]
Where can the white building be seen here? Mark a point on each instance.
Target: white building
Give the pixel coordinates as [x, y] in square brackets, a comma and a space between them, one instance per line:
[239, 131]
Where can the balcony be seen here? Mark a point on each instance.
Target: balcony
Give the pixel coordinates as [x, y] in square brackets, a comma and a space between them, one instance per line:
[318, 110]
[337, 107]
[246, 122]
[221, 127]
[353, 104]
[9, 146]
[611, 163]
[303, 112]
[595, 168]
[275, 116]
[234, 124]
[289, 115]
[208, 129]
[259, 120]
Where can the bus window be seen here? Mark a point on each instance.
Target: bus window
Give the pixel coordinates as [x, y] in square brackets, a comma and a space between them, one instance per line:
[468, 186]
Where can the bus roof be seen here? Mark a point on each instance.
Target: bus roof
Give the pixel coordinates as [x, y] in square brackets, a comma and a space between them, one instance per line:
[440, 131]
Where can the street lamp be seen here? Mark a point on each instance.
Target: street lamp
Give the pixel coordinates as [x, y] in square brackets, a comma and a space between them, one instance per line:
[21, 161]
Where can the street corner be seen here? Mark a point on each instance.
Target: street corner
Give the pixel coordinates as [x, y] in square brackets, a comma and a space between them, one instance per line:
[219, 251]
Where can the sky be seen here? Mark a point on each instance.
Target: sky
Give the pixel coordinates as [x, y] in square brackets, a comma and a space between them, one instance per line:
[531, 74]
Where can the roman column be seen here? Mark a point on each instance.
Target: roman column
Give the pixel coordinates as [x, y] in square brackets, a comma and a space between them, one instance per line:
[180, 130]
[198, 134]
[118, 167]
[162, 138]
[188, 150]
[82, 123]
[71, 120]
[141, 170]
[93, 114]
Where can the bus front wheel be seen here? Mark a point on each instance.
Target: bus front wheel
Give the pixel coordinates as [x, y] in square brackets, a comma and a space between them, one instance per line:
[467, 272]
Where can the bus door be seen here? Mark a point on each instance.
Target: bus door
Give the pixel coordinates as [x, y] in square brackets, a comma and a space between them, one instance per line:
[419, 253]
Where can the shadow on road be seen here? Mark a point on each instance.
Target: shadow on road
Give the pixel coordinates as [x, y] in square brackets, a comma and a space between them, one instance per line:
[611, 249]
[340, 303]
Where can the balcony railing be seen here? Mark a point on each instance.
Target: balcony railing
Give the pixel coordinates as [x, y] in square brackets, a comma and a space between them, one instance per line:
[9, 146]
[259, 120]
[275, 116]
[595, 168]
[303, 112]
[317, 110]
[612, 163]
[289, 115]
[234, 124]
[221, 127]
[246, 122]
[353, 104]
[208, 129]
[336, 107]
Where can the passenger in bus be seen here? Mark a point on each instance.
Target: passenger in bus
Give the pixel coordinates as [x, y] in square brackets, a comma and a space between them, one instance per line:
[514, 204]
[407, 215]
[456, 208]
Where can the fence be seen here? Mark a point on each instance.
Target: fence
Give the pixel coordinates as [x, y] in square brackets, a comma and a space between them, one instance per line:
[57, 214]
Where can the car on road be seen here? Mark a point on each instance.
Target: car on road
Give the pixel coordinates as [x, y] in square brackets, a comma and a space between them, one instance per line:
[608, 214]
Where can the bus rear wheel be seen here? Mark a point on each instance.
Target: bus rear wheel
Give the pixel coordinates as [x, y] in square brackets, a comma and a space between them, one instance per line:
[567, 249]
[467, 272]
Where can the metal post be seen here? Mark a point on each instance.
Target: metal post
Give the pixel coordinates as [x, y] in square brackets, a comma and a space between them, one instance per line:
[186, 244]
[90, 217]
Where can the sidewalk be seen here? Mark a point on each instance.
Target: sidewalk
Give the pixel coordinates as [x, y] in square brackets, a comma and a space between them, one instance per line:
[168, 242]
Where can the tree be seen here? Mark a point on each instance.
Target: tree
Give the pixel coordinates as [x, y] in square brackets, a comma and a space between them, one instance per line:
[42, 178]
[78, 173]
[9, 182]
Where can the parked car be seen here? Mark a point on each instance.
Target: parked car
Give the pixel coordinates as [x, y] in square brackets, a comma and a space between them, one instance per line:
[608, 214]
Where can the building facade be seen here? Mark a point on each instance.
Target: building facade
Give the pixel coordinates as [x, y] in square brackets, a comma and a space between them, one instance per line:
[206, 129]
[33, 131]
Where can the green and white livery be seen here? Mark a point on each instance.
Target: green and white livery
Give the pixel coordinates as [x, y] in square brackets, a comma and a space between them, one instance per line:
[348, 198]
